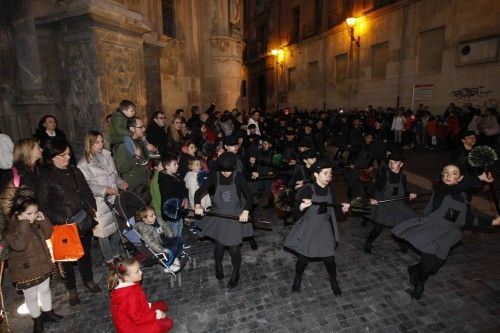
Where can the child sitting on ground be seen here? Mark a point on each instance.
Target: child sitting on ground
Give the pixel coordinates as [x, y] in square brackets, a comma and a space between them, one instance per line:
[158, 236]
[130, 310]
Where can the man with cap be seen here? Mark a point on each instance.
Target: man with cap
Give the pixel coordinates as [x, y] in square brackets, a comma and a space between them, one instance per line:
[390, 183]
[315, 234]
[230, 195]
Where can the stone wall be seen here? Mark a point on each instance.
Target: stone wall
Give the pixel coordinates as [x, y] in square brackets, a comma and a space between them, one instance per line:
[411, 31]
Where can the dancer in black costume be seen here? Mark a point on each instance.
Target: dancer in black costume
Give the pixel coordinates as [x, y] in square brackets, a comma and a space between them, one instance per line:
[440, 228]
[231, 195]
[390, 184]
[315, 234]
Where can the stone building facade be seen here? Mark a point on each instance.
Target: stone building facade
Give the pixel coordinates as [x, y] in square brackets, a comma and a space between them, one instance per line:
[77, 59]
[409, 52]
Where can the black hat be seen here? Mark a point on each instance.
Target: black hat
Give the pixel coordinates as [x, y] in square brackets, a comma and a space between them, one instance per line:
[304, 143]
[396, 156]
[250, 126]
[267, 139]
[309, 153]
[320, 165]
[231, 140]
[465, 134]
[289, 132]
[226, 162]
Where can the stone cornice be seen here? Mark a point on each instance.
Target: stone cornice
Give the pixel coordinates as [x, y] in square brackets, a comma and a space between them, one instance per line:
[104, 12]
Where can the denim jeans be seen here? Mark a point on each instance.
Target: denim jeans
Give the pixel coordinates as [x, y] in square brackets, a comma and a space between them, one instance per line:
[176, 227]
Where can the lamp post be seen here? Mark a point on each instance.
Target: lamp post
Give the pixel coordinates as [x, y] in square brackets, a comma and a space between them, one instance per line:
[351, 23]
[279, 55]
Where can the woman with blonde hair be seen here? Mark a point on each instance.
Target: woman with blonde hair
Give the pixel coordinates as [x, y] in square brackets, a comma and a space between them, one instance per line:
[100, 172]
[27, 154]
[175, 139]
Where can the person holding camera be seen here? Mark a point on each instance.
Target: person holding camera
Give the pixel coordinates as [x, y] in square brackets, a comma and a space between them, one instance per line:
[65, 197]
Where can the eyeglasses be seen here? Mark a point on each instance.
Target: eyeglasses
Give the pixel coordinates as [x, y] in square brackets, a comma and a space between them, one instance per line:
[160, 118]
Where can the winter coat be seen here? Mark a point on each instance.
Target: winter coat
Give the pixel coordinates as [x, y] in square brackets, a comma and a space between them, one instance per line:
[191, 181]
[29, 256]
[56, 192]
[157, 136]
[136, 174]
[117, 128]
[151, 237]
[100, 174]
[131, 312]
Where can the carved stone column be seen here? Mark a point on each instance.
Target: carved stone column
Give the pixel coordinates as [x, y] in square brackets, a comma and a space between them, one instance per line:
[25, 42]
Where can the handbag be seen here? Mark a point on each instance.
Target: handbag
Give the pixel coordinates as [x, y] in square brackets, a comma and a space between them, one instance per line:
[66, 243]
[83, 220]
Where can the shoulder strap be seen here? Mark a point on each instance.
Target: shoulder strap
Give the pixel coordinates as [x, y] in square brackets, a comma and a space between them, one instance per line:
[16, 178]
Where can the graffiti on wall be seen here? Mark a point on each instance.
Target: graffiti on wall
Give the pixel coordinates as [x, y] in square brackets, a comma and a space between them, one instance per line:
[477, 96]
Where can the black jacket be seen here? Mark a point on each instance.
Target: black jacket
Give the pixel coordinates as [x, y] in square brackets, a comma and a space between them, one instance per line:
[157, 136]
[62, 192]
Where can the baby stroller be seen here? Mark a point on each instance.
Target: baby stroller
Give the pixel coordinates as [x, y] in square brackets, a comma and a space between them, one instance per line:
[123, 209]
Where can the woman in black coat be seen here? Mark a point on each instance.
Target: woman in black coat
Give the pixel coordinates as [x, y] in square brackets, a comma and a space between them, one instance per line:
[62, 191]
[47, 129]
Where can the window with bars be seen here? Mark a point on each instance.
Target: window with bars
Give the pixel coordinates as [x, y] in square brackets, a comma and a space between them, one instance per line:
[168, 17]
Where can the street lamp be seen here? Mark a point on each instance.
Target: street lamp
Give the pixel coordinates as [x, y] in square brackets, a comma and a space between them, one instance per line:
[279, 55]
[351, 23]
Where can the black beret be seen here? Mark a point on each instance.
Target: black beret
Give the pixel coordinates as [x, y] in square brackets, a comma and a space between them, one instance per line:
[251, 126]
[396, 156]
[226, 162]
[231, 140]
[320, 165]
[309, 153]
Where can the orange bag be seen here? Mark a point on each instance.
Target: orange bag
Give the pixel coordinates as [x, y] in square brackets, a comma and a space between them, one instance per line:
[66, 244]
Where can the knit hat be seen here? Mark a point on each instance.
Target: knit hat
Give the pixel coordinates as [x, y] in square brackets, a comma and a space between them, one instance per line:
[396, 156]
[231, 140]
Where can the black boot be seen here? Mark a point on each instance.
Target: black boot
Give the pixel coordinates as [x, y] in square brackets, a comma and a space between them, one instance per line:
[368, 246]
[335, 287]
[219, 272]
[296, 284]
[233, 281]
[412, 274]
[73, 298]
[402, 246]
[253, 244]
[38, 324]
[51, 316]
[418, 290]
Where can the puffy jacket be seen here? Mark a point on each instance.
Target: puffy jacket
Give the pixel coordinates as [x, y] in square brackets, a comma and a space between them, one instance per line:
[29, 256]
[56, 192]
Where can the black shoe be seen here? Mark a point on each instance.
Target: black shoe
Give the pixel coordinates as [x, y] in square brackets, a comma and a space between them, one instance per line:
[335, 287]
[92, 286]
[368, 247]
[233, 281]
[412, 273]
[219, 272]
[403, 247]
[296, 284]
[51, 316]
[253, 244]
[38, 324]
[417, 291]
[73, 298]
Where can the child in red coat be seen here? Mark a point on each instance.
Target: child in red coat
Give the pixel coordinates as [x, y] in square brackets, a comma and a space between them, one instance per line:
[130, 309]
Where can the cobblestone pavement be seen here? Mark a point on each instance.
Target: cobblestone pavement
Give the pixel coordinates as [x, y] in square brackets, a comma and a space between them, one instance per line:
[463, 297]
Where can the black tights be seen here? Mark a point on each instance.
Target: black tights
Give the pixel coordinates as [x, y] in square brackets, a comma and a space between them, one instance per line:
[374, 233]
[429, 265]
[234, 251]
[302, 261]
